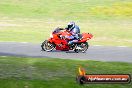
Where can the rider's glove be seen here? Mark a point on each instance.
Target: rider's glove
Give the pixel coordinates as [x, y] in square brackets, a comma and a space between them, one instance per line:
[62, 37]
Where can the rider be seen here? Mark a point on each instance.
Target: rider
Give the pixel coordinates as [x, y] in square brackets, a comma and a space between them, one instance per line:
[74, 30]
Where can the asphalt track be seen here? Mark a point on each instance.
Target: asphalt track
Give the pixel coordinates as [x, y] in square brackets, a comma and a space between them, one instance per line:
[99, 53]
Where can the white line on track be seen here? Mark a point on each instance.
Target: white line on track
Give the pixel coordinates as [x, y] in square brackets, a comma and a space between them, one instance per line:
[97, 45]
[24, 42]
[3, 56]
[29, 42]
[121, 46]
[114, 46]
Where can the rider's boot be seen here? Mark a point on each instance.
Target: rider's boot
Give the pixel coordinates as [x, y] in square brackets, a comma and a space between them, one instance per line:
[70, 45]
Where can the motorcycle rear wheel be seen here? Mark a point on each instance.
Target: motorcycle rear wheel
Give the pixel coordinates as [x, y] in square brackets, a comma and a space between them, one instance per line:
[47, 46]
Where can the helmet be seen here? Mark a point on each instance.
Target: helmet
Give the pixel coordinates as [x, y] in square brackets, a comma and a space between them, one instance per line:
[71, 25]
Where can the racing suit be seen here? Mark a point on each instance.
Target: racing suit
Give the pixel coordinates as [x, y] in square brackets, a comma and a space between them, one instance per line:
[75, 35]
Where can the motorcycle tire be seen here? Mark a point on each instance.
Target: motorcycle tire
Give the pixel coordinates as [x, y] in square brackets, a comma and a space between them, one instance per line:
[83, 50]
[47, 46]
[86, 47]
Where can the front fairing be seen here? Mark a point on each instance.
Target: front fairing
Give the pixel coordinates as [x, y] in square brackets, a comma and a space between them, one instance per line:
[86, 37]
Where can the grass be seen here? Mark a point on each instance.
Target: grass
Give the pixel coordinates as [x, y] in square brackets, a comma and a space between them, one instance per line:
[112, 33]
[32, 21]
[16, 72]
[77, 10]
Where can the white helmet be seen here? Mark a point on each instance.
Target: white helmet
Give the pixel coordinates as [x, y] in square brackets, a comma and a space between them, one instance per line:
[71, 25]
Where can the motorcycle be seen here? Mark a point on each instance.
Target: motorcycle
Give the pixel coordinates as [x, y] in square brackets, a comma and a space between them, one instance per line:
[58, 40]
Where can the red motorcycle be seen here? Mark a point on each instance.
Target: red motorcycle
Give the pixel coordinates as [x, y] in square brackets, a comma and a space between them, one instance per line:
[59, 41]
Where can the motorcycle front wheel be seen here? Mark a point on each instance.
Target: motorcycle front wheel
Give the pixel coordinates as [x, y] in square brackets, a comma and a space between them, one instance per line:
[47, 46]
[84, 47]
[81, 47]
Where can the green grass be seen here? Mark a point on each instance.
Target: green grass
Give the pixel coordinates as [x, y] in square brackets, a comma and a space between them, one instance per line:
[115, 33]
[76, 9]
[16, 72]
[32, 20]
